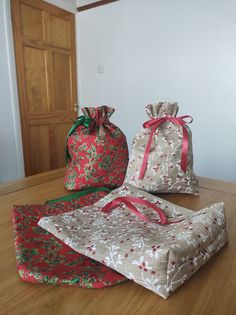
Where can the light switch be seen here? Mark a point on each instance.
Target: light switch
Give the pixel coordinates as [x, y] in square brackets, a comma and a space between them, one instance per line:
[100, 68]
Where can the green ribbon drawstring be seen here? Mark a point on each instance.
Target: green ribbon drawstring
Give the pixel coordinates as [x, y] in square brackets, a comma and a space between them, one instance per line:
[81, 120]
[78, 194]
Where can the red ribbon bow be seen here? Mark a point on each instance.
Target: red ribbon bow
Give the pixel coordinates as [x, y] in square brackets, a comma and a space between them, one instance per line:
[154, 124]
[129, 200]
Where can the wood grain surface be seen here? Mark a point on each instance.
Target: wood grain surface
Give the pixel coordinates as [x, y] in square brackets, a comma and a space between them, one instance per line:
[212, 290]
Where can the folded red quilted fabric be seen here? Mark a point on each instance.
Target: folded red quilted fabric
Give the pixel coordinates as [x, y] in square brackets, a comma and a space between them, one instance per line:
[42, 258]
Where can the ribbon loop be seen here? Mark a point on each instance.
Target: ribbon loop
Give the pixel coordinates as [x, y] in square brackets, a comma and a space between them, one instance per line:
[153, 124]
[129, 201]
[186, 119]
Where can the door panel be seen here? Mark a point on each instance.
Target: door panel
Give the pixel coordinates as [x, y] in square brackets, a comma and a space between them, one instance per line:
[60, 133]
[60, 31]
[39, 148]
[44, 38]
[62, 81]
[35, 83]
[31, 16]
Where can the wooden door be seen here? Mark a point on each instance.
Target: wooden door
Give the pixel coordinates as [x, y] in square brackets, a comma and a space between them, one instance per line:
[44, 38]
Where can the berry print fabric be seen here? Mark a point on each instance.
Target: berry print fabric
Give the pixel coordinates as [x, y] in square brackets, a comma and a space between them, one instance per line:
[160, 257]
[169, 159]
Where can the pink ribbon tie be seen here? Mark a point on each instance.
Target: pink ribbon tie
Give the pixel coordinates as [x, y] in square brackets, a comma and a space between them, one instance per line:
[129, 200]
[154, 123]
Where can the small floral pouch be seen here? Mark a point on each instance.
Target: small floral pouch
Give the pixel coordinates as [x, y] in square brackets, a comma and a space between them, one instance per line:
[149, 240]
[161, 159]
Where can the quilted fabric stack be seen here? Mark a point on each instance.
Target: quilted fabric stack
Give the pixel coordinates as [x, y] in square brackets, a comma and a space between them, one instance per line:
[141, 237]
[42, 258]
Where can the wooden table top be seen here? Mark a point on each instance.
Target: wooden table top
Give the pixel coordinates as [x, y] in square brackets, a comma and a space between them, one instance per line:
[212, 290]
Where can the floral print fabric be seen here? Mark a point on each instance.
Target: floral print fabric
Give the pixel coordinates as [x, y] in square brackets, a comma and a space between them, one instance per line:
[164, 173]
[99, 152]
[158, 257]
[42, 258]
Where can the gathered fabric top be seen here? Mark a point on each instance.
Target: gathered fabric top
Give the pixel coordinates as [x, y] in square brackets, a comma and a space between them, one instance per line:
[162, 109]
[99, 114]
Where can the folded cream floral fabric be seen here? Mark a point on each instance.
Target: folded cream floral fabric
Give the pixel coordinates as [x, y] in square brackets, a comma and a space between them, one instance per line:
[161, 159]
[160, 257]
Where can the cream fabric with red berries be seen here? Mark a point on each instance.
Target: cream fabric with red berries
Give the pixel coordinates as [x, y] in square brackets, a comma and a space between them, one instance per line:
[160, 257]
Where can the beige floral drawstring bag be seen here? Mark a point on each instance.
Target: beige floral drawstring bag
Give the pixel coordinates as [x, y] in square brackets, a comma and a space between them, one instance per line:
[161, 159]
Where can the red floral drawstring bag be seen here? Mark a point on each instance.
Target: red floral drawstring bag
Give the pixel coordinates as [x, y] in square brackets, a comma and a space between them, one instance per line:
[96, 150]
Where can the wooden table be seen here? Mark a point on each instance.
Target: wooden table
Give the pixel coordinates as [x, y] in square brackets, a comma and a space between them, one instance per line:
[212, 290]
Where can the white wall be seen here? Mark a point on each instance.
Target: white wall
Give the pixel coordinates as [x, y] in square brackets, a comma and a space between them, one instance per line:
[165, 50]
[84, 2]
[68, 5]
[11, 156]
